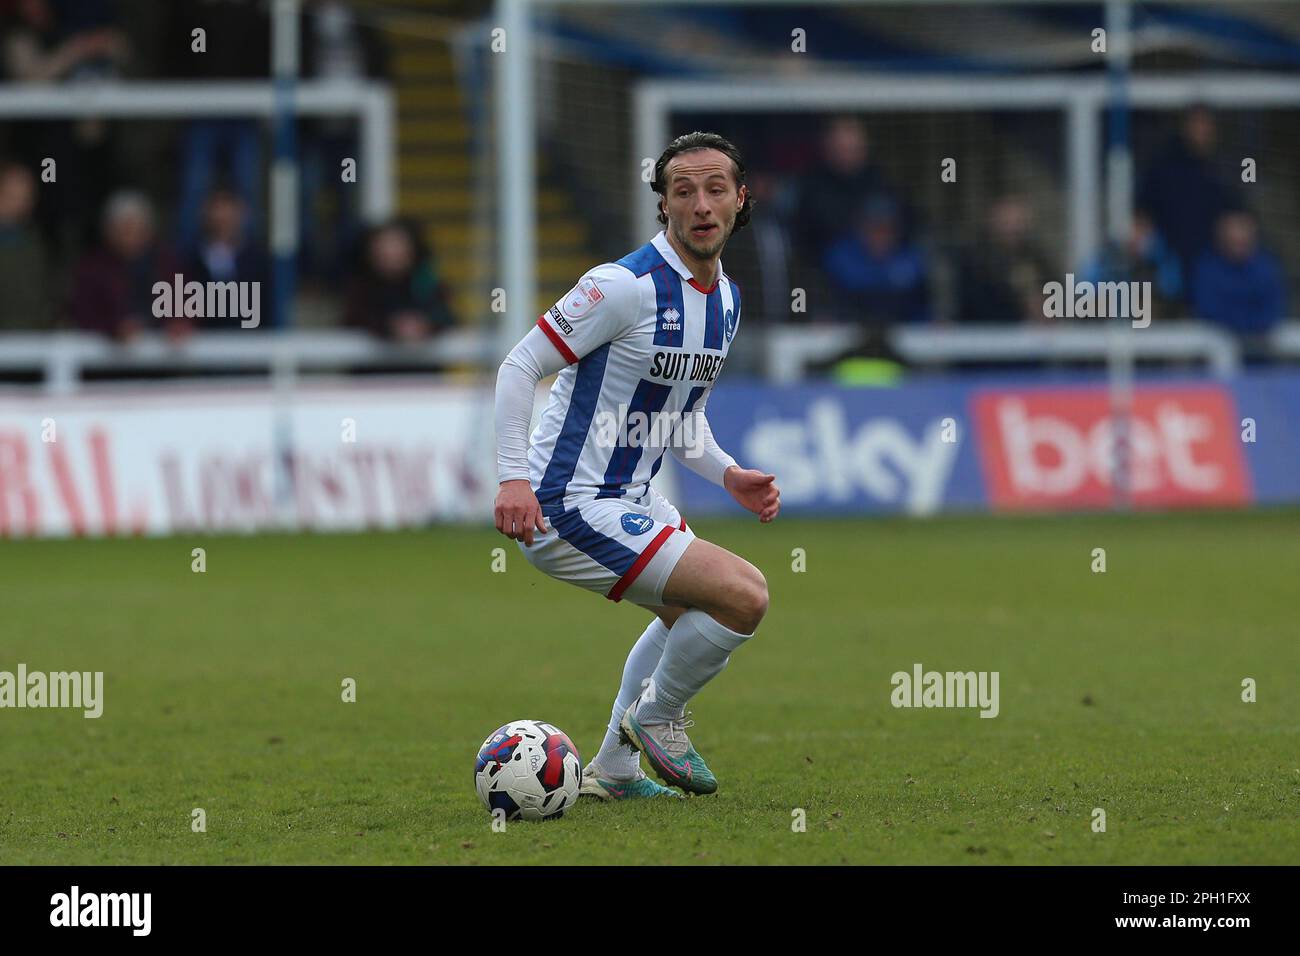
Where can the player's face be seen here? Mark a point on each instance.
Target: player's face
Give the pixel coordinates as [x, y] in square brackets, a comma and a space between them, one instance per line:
[702, 201]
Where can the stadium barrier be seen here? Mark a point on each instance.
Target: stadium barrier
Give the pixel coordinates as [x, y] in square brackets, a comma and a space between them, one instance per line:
[173, 459]
[1010, 443]
[63, 358]
[178, 459]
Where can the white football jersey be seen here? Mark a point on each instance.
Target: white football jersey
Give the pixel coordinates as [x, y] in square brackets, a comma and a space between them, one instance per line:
[645, 343]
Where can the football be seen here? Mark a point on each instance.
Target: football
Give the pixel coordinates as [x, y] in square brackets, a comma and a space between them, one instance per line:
[529, 769]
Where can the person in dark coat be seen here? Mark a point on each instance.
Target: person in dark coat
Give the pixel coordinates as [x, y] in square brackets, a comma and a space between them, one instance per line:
[398, 294]
[112, 286]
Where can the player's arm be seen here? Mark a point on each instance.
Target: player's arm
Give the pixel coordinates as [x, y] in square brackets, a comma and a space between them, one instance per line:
[600, 307]
[517, 512]
[754, 490]
[698, 450]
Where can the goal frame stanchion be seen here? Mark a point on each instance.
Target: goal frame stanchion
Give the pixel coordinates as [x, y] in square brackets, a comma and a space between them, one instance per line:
[1120, 362]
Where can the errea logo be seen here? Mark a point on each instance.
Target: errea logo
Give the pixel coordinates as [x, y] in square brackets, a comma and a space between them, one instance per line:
[671, 320]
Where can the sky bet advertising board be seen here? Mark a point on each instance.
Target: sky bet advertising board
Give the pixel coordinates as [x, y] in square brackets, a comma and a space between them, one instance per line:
[1002, 446]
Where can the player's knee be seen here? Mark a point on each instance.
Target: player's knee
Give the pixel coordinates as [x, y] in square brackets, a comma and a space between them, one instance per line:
[750, 602]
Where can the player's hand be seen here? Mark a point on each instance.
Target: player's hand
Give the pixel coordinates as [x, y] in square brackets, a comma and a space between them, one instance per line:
[754, 490]
[517, 511]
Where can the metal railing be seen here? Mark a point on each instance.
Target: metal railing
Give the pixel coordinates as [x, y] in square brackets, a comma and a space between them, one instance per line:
[62, 359]
[371, 103]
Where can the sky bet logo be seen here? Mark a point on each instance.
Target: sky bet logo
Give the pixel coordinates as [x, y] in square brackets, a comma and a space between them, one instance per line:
[134, 910]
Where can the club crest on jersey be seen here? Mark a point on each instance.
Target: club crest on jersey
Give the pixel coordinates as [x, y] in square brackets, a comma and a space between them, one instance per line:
[581, 298]
[671, 320]
[729, 323]
[636, 524]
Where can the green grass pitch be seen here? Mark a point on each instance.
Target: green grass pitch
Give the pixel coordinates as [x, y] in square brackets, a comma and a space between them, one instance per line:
[1120, 691]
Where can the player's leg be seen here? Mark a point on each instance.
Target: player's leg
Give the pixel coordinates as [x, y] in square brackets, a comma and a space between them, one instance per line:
[594, 549]
[615, 772]
[668, 615]
[723, 598]
[724, 585]
[617, 760]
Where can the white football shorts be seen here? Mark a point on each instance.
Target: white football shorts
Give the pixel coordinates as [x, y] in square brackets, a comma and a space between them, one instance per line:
[621, 547]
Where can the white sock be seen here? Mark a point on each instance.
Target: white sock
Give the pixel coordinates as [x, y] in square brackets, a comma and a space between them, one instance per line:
[697, 650]
[619, 761]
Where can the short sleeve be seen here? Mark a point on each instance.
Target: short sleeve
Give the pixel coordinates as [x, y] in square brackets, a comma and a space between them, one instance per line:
[601, 307]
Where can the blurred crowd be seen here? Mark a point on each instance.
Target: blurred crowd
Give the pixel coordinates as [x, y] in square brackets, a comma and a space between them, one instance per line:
[842, 228]
[83, 248]
[134, 203]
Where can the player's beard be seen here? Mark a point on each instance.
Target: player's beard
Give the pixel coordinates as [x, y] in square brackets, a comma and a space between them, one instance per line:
[713, 249]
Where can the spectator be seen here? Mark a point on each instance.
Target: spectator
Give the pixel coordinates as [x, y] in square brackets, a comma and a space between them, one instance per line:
[877, 277]
[24, 303]
[1238, 284]
[112, 289]
[842, 180]
[336, 47]
[1185, 192]
[1146, 257]
[398, 294]
[1001, 278]
[224, 253]
[757, 260]
[38, 50]
[237, 47]
[42, 48]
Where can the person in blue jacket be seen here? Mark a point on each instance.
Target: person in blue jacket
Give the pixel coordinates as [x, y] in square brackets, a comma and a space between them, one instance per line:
[1238, 284]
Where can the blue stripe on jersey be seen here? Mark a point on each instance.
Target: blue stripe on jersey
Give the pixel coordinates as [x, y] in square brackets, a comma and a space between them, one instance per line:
[573, 434]
[735, 297]
[648, 400]
[573, 528]
[689, 407]
[713, 319]
[668, 296]
[642, 260]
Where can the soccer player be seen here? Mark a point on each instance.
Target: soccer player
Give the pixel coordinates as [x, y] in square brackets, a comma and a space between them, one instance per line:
[638, 344]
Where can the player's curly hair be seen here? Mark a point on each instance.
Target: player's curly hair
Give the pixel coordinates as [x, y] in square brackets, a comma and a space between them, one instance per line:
[690, 142]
